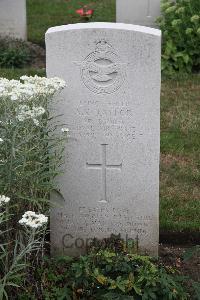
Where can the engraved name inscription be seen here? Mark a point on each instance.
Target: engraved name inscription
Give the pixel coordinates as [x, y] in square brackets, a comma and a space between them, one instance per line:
[106, 120]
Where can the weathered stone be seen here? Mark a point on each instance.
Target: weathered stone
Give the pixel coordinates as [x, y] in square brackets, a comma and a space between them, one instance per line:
[111, 106]
[13, 18]
[138, 12]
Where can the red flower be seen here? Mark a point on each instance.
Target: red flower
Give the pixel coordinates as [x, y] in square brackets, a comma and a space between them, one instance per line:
[84, 12]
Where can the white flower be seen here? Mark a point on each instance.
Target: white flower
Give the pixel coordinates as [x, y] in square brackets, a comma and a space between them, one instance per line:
[30, 88]
[24, 77]
[43, 85]
[25, 113]
[14, 97]
[4, 199]
[1, 140]
[65, 129]
[33, 220]
[36, 122]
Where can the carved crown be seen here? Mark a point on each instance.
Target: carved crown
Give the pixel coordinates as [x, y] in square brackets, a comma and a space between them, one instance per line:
[102, 46]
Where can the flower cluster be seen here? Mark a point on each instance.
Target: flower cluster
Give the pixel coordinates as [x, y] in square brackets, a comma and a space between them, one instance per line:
[26, 97]
[195, 18]
[25, 113]
[43, 85]
[85, 12]
[65, 130]
[180, 10]
[30, 87]
[170, 9]
[3, 200]
[180, 25]
[176, 22]
[33, 220]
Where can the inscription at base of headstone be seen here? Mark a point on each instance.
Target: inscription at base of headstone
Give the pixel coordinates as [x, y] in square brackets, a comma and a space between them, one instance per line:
[138, 12]
[13, 18]
[111, 106]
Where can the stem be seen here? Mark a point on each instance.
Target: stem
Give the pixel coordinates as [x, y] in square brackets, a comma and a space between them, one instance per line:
[11, 161]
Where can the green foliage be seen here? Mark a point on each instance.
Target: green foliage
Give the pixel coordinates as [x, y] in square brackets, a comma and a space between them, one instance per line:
[106, 274]
[30, 158]
[14, 259]
[14, 57]
[191, 252]
[180, 25]
[196, 287]
[17, 73]
[13, 53]
[30, 154]
[188, 255]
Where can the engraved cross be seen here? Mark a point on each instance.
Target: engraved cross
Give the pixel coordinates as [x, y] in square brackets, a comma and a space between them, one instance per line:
[104, 167]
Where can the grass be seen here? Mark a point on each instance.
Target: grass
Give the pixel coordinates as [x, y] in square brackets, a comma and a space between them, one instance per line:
[43, 14]
[17, 73]
[180, 158]
[180, 117]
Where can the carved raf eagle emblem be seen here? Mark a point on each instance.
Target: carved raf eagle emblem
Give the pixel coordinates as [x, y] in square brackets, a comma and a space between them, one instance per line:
[101, 70]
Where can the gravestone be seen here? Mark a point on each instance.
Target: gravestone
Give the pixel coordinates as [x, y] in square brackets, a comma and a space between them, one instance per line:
[13, 18]
[111, 104]
[139, 12]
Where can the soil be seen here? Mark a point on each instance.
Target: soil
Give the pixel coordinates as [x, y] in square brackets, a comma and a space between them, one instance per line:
[188, 238]
[38, 56]
[173, 257]
[172, 249]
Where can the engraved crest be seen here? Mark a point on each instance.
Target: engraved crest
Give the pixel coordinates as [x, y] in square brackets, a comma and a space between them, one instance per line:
[102, 71]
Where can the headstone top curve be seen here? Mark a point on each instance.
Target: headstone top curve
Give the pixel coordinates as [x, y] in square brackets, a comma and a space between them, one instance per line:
[105, 25]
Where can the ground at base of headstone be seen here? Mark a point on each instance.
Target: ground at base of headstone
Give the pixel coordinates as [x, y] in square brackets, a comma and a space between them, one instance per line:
[111, 272]
[185, 259]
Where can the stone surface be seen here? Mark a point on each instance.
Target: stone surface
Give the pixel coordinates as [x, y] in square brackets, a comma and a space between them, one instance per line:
[139, 12]
[111, 104]
[13, 18]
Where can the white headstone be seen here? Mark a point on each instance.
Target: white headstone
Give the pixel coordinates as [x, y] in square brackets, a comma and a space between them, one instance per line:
[13, 18]
[138, 12]
[111, 106]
